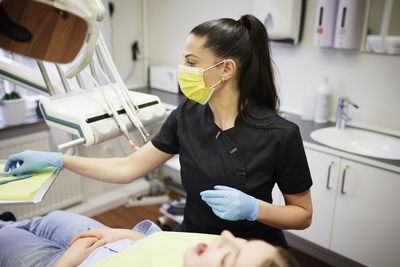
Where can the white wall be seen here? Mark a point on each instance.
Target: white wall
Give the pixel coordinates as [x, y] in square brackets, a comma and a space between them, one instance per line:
[127, 27]
[371, 81]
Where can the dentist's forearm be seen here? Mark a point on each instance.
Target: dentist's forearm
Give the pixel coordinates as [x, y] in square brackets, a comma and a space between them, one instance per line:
[104, 169]
[118, 170]
[284, 217]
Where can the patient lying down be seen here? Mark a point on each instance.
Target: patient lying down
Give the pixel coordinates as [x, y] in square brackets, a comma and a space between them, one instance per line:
[63, 239]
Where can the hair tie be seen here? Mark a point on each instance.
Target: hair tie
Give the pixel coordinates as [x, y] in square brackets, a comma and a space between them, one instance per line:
[245, 22]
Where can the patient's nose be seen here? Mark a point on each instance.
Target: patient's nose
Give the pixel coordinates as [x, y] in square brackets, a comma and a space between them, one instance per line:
[227, 236]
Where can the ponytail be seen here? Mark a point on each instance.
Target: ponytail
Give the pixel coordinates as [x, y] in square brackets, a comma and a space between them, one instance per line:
[246, 41]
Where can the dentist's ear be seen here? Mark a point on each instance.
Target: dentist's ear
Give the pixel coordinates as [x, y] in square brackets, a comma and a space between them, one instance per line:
[229, 70]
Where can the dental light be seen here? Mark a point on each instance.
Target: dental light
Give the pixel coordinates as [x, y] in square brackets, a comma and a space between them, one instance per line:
[98, 106]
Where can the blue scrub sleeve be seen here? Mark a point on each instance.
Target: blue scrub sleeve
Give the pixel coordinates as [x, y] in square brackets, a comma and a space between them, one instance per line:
[167, 138]
[293, 173]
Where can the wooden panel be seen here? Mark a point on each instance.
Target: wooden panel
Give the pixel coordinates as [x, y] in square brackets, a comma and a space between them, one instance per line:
[56, 36]
[39, 22]
[14, 10]
[64, 39]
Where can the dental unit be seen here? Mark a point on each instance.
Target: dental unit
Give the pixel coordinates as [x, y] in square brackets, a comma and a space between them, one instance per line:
[89, 99]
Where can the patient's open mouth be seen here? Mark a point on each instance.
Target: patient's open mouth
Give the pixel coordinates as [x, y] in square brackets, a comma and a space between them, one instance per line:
[200, 248]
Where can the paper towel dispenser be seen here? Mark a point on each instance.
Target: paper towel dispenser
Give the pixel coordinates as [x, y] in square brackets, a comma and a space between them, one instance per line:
[282, 18]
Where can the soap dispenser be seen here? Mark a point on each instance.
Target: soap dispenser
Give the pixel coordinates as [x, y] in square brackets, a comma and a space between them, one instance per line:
[349, 24]
[325, 22]
[323, 102]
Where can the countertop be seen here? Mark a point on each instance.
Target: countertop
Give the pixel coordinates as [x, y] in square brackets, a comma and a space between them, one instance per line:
[306, 127]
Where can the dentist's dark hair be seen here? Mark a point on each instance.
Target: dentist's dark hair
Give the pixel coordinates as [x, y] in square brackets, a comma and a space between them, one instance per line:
[246, 41]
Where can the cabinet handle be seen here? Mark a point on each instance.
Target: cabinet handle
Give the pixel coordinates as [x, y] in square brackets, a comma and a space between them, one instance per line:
[343, 180]
[329, 175]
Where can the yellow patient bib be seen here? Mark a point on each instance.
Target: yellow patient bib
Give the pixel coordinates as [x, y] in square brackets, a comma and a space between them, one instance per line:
[163, 249]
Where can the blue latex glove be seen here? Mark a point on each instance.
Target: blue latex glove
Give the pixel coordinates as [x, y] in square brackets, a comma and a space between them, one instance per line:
[31, 161]
[231, 204]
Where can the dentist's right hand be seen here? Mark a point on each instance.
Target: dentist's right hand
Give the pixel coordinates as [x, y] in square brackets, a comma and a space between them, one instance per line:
[31, 161]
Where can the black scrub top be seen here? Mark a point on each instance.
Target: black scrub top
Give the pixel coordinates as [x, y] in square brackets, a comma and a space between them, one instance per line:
[244, 157]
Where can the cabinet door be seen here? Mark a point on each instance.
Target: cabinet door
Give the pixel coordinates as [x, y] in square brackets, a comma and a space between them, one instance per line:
[324, 172]
[367, 219]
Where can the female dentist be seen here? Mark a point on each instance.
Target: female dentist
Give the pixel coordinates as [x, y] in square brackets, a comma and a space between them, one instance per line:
[232, 144]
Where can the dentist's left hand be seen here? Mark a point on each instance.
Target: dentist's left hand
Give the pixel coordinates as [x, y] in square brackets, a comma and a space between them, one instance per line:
[31, 161]
[231, 204]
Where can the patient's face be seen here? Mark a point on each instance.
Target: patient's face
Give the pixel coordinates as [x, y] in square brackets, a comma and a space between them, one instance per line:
[228, 250]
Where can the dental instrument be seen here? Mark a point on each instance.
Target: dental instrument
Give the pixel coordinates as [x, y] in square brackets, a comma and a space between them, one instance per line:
[111, 107]
[132, 115]
[14, 179]
[105, 56]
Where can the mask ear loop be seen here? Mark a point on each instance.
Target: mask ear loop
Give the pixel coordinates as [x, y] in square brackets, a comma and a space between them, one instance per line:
[219, 63]
[220, 81]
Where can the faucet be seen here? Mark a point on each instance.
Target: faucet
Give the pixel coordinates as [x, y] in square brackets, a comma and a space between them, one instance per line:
[341, 116]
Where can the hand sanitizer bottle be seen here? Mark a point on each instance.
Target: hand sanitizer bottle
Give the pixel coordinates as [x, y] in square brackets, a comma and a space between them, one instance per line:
[323, 103]
[308, 103]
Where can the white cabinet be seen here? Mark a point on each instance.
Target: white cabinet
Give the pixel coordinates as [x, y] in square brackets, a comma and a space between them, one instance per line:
[367, 219]
[356, 210]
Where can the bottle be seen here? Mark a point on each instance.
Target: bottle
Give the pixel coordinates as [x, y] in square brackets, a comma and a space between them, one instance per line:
[323, 103]
[308, 103]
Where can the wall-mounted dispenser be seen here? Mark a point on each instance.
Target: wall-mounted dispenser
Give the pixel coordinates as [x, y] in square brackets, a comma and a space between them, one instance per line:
[349, 24]
[325, 22]
[282, 18]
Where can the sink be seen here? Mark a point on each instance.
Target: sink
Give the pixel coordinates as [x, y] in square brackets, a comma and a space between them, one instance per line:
[360, 142]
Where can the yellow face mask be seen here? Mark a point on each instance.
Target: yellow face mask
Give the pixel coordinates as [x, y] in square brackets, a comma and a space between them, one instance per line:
[191, 81]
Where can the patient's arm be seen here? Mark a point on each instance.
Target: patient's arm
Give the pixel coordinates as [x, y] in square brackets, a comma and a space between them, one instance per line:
[79, 251]
[109, 235]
